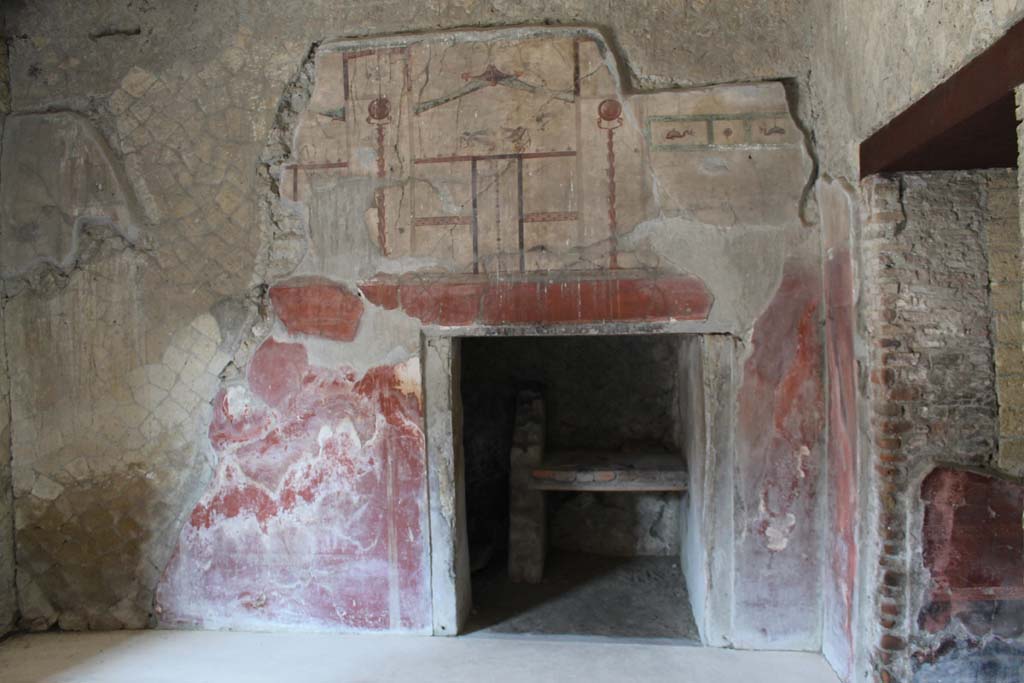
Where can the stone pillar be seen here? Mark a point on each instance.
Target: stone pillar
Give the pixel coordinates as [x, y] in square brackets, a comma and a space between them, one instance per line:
[527, 531]
[450, 590]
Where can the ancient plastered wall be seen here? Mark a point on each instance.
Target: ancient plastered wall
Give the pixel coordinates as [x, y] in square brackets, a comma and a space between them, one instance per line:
[423, 181]
[874, 58]
[69, 55]
[926, 315]
[132, 300]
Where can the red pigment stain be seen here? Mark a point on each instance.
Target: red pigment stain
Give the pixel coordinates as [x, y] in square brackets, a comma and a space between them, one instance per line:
[631, 297]
[384, 295]
[842, 451]
[315, 517]
[973, 548]
[779, 448]
[317, 307]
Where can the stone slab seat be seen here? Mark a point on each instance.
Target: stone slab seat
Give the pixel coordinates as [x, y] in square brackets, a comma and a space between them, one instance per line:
[609, 471]
[533, 472]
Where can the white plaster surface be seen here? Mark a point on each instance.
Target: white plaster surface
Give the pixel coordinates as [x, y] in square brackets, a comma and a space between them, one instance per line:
[197, 657]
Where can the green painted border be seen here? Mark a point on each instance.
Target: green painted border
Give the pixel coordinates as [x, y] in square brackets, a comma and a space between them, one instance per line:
[709, 119]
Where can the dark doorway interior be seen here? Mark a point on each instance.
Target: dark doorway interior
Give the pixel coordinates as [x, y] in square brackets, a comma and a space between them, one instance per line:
[613, 558]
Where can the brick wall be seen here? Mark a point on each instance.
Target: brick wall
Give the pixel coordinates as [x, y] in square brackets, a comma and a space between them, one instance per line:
[926, 316]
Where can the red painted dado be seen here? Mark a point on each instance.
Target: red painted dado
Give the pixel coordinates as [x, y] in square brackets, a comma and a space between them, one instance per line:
[571, 298]
[317, 307]
[973, 549]
[779, 451]
[315, 515]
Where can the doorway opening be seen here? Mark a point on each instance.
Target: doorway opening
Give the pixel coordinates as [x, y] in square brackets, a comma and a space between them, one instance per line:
[576, 484]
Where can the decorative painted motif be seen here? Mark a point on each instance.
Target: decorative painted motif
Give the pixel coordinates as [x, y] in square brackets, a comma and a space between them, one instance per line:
[315, 517]
[508, 154]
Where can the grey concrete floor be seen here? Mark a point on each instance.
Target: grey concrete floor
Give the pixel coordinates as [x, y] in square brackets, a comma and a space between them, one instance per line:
[587, 595]
[208, 657]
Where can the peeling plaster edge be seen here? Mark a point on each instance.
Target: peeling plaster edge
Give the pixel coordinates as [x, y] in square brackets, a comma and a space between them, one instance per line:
[808, 211]
[604, 35]
[273, 211]
[255, 330]
[628, 80]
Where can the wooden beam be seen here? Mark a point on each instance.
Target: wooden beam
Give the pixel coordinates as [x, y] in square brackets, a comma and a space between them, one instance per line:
[966, 122]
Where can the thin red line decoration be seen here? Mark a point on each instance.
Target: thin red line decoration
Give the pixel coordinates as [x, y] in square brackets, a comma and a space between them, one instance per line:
[360, 53]
[609, 117]
[344, 78]
[442, 220]
[491, 157]
[475, 222]
[613, 257]
[550, 216]
[348, 56]
[295, 168]
[522, 215]
[319, 166]
[379, 114]
[407, 70]
[523, 218]
[576, 67]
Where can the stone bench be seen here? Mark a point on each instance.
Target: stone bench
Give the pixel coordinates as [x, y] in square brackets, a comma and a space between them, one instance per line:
[610, 472]
[532, 473]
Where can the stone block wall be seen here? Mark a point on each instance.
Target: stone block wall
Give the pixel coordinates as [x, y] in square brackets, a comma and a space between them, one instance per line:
[8, 597]
[926, 315]
[1003, 243]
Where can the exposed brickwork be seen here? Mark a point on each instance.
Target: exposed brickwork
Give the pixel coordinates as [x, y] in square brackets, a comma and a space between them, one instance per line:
[881, 222]
[926, 316]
